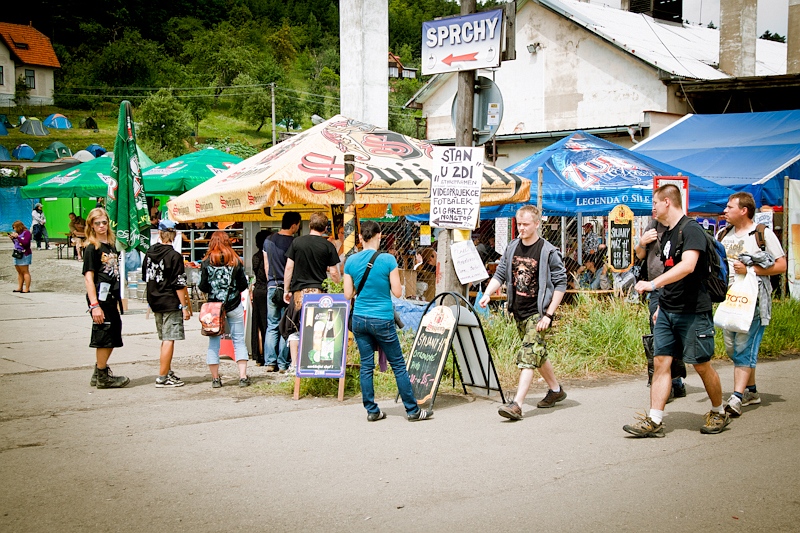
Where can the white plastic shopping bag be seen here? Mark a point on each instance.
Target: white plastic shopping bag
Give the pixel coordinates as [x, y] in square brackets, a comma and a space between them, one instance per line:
[736, 312]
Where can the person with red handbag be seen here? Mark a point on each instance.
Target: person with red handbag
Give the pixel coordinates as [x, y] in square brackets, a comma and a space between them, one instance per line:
[223, 279]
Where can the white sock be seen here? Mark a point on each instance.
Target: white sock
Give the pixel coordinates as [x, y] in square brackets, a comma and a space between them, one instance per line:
[656, 415]
[557, 389]
[718, 409]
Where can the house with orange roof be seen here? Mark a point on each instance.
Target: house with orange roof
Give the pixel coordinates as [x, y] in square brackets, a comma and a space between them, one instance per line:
[28, 54]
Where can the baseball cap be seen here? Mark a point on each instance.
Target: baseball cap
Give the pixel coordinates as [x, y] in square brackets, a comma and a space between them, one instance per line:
[166, 225]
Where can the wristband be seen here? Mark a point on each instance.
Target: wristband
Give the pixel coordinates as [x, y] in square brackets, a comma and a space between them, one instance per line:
[93, 307]
[652, 285]
[548, 315]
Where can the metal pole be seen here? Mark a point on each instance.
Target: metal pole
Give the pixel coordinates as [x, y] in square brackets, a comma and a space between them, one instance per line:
[272, 91]
[540, 182]
[785, 235]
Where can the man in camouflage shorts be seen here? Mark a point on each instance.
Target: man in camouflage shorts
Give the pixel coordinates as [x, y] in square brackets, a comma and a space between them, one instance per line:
[537, 280]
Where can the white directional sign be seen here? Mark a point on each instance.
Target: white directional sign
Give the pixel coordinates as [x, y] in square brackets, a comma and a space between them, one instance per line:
[468, 42]
[456, 187]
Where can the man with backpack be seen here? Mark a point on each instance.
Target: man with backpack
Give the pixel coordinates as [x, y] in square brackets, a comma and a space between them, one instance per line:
[684, 326]
[749, 245]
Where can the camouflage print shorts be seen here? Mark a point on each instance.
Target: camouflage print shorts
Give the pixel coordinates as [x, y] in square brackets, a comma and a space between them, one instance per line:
[533, 353]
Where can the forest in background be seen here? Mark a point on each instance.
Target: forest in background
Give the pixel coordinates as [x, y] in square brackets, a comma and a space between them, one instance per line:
[179, 60]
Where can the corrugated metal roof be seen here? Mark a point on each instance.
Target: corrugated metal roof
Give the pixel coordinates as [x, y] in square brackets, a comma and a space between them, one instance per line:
[688, 51]
[28, 45]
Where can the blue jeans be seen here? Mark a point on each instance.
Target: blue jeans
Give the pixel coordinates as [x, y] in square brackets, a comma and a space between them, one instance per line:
[371, 334]
[276, 351]
[235, 320]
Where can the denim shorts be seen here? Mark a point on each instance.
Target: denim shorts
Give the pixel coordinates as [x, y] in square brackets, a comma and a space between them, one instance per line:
[533, 353]
[687, 336]
[742, 348]
[170, 326]
[25, 260]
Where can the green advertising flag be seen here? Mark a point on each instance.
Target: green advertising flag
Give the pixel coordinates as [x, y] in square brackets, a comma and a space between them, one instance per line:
[126, 202]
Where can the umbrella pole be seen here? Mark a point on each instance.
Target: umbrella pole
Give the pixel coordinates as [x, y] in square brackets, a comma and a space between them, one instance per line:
[350, 219]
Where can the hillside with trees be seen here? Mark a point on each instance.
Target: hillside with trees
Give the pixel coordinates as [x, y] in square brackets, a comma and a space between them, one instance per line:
[179, 60]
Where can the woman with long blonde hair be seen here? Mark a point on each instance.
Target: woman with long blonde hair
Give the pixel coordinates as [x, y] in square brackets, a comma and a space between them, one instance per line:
[223, 279]
[101, 278]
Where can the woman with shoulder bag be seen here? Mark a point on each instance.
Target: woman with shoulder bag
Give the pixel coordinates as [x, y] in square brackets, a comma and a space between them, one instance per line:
[223, 279]
[373, 325]
[22, 255]
[101, 278]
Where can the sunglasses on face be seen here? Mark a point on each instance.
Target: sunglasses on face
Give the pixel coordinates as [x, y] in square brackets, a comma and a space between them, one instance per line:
[100, 222]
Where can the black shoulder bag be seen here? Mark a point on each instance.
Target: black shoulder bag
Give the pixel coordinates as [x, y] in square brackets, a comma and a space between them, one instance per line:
[361, 286]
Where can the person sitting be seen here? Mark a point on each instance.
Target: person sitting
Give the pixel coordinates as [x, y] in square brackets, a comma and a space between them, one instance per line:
[593, 274]
[77, 235]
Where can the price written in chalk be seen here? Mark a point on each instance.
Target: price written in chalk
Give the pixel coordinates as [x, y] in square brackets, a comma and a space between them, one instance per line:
[620, 238]
[456, 187]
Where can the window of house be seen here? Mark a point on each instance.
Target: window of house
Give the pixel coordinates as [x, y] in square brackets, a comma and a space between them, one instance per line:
[30, 79]
[1, 76]
[393, 71]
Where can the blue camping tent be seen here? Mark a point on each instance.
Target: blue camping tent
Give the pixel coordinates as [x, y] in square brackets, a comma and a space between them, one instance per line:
[5, 155]
[57, 121]
[588, 175]
[749, 152]
[3, 130]
[96, 150]
[23, 151]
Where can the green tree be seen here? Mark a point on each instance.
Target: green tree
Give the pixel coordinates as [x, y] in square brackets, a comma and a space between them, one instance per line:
[164, 121]
[283, 43]
[130, 61]
[769, 36]
[217, 56]
[21, 91]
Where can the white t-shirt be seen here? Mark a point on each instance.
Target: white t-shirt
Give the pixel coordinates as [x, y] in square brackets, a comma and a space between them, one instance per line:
[744, 241]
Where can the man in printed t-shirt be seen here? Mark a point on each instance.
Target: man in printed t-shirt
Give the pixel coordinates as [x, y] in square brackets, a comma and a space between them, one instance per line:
[684, 327]
[537, 280]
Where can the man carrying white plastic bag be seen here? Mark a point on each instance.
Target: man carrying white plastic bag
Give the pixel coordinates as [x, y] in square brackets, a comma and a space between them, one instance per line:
[754, 254]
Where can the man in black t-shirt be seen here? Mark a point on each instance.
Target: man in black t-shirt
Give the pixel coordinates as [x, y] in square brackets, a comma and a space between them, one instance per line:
[310, 259]
[684, 327]
[536, 279]
[275, 247]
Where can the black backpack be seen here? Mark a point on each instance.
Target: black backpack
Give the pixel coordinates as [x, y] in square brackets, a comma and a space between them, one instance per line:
[716, 279]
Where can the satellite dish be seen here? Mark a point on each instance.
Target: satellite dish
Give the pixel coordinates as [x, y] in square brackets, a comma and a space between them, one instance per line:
[316, 119]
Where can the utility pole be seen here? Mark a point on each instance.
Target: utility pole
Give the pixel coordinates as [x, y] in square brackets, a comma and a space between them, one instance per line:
[446, 278]
[272, 91]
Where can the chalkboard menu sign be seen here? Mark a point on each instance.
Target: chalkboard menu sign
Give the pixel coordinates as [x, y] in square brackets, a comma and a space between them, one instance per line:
[620, 238]
[429, 352]
[323, 336]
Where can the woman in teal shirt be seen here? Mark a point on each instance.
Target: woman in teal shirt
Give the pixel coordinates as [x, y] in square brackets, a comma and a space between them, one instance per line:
[373, 321]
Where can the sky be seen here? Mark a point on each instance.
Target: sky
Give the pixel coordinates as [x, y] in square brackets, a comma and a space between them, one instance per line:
[773, 15]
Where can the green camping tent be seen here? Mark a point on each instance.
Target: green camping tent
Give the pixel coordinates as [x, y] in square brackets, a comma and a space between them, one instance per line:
[60, 148]
[47, 156]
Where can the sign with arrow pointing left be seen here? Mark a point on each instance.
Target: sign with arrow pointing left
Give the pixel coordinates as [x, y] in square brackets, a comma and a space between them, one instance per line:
[467, 42]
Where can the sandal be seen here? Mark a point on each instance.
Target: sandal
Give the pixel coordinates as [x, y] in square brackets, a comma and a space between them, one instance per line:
[15, 290]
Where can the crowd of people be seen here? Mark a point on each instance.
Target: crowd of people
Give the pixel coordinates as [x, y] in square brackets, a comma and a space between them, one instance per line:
[673, 250]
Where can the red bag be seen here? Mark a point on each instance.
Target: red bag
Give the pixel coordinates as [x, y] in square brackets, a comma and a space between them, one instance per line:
[212, 319]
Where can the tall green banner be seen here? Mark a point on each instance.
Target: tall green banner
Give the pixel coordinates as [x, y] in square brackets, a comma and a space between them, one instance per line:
[126, 202]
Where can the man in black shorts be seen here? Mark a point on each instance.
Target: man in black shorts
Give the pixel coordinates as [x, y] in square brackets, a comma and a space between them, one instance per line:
[684, 327]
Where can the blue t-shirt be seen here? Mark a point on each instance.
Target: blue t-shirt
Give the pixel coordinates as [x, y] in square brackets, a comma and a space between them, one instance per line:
[375, 299]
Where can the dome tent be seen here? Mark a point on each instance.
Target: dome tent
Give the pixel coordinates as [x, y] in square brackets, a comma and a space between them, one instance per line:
[60, 148]
[58, 121]
[34, 126]
[23, 151]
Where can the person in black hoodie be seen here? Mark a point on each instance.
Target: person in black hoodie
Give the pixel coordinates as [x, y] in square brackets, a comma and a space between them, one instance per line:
[162, 270]
[222, 277]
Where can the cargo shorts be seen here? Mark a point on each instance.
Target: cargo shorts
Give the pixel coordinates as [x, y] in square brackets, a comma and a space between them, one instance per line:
[170, 326]
[533, 352]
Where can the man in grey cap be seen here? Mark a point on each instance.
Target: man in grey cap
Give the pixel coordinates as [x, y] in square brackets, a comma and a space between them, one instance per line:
[37, 227]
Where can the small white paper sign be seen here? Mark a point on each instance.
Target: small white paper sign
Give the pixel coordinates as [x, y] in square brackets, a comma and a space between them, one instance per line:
[500, 235]
[493, 114]
[764, 218]
[467, 262]
[456, 186]
[424, 235]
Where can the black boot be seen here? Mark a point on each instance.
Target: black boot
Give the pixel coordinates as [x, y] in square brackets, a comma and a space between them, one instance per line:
[106, 380]
[93, 381]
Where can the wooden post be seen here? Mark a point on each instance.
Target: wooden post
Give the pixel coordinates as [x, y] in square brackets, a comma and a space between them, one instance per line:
[350, 219]
[446, 278]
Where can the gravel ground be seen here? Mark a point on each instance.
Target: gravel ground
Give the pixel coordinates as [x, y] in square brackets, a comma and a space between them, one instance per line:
[48, 272]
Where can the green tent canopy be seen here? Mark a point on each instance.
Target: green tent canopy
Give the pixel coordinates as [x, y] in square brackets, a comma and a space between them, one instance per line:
[60, 148]
[46, 156]
[187, 171]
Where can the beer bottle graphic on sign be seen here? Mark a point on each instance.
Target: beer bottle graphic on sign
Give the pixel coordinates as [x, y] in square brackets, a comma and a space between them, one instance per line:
[328, 338]
[316, 346]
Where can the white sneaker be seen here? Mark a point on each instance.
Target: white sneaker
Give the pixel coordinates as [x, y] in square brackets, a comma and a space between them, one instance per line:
[750, 398]
[734, 407]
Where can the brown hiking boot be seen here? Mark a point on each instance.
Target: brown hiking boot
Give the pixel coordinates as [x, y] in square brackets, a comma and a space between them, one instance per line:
[552, 398]
[106, 380]
[511, 410]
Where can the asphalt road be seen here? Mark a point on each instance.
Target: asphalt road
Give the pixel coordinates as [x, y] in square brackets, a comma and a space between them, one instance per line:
[73, 458]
